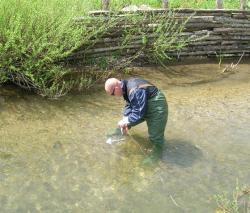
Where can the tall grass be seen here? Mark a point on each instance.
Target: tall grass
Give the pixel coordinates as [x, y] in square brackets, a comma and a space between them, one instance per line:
[200, 4]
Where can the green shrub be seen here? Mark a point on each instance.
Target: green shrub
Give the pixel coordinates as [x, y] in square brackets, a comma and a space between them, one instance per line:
[35, 37]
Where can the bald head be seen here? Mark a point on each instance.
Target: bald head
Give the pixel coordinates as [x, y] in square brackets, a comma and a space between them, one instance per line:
[113, 87]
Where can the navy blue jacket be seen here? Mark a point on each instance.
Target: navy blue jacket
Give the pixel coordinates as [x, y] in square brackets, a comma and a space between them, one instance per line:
[136, 98]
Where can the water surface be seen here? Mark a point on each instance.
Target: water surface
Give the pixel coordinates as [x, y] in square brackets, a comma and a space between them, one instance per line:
[53, 155]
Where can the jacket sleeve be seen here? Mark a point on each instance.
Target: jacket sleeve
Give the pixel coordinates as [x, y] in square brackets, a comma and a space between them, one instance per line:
[138, 105]
[127, 109]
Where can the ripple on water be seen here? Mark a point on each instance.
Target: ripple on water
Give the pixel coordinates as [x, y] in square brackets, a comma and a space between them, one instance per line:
[53, 154]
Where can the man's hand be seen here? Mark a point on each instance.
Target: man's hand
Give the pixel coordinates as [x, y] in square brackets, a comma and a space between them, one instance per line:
[124, 130]
[123, 124]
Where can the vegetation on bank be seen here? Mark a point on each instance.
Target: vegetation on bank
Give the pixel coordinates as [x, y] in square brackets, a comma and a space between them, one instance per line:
[195, 4]
[237, 202]
[36, 36]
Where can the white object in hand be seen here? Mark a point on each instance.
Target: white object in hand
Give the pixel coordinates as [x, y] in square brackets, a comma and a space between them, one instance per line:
[109, 141]
[123, 122]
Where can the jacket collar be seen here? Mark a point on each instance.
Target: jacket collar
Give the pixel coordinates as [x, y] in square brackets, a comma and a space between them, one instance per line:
[124, 89]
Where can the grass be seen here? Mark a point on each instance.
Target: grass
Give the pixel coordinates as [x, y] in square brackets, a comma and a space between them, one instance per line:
[196, 4]
[237, 202]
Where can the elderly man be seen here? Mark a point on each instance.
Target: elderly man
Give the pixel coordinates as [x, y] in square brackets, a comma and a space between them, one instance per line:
[144, 102]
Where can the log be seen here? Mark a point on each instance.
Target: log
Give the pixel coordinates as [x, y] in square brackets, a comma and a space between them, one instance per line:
[240, 16]
[210, 32]
[242, 38]
[206, 47]
[199, 53]
[202, 19]
[243, 33]
[226, 12]
[235, 25]
[233, 42]
[203, 26]
[230, 29]
[231, 20]
[110, 49]
[220, 47]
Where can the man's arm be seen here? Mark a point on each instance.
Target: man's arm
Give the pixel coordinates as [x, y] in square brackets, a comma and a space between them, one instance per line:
[138, 103]
[127, 109]
[135, 111]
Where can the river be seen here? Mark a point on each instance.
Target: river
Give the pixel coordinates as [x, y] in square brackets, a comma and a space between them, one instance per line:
[53, 155]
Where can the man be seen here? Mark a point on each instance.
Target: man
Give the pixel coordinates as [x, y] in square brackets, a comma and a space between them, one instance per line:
[144, 102]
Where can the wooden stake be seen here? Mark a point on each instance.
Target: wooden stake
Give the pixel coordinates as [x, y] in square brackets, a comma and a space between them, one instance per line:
[164, 4]
[219, 4]
[105, 4]
[243, 4]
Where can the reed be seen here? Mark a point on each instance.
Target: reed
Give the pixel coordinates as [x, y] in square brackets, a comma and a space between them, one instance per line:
[237, 202]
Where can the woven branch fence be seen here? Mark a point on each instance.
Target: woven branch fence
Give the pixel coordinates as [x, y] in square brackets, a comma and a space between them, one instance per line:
[224, 32]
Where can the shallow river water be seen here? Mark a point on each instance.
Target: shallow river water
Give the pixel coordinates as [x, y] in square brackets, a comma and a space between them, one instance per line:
[53, 155]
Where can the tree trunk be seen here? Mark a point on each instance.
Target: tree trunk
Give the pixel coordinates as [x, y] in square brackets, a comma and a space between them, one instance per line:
[164, 4]
[105, 4]
[242, 4]
[219, 4]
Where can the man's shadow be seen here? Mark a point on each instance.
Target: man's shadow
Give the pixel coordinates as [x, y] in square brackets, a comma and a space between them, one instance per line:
[175, 151]
[181, 153]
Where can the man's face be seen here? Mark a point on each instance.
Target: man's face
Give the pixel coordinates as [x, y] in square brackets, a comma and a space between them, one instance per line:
[113, 87]
[115, 90]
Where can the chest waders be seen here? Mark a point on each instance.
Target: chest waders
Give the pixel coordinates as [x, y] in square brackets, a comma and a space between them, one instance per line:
[156, 115]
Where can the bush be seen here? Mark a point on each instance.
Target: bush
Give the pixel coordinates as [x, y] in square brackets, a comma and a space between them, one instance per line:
[35, 37]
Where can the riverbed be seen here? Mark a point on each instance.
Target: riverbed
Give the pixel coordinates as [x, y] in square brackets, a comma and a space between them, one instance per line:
[54, 156]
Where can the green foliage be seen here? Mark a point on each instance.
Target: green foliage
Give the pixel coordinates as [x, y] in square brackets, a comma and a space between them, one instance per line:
[226, 204]
[219, 57]
[248, 4]
[238, 202]
[196, 4]
[168, 37]
[150, 35]
[35, 37]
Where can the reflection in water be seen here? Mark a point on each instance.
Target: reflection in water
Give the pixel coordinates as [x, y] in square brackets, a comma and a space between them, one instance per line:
[54, 156]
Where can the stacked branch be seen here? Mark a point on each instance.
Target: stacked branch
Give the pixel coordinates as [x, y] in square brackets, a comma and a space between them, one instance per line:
[207, 32]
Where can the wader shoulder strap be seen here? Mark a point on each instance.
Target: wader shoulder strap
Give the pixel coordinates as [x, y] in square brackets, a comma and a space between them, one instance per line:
[144, 86]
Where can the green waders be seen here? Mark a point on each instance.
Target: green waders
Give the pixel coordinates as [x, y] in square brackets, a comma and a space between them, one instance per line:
[156, 117]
